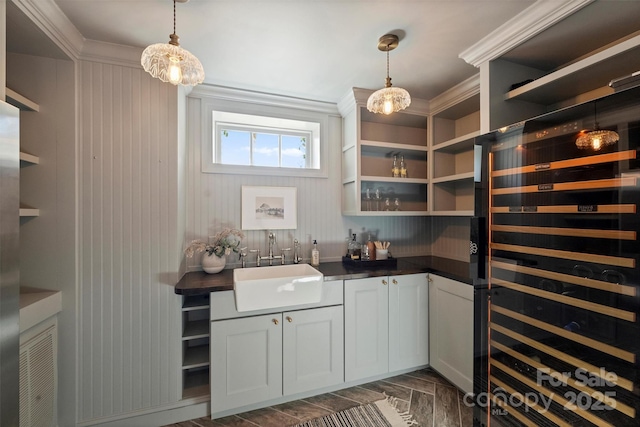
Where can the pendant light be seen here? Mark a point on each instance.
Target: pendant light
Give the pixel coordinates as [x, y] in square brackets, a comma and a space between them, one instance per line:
[388, 99]
[171, 63]
[597, 138]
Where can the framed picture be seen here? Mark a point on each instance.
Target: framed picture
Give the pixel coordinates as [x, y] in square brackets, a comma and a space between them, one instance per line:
[269, 208]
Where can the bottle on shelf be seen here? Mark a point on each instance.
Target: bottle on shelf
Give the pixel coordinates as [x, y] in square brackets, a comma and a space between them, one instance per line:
[403, 168]
[315, 254]
[355, 249]
[395, 170]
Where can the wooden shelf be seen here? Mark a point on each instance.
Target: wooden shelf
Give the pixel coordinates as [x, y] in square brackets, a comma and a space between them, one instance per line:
[453, 178]
[195, 383]
[389, 179]
[195, 357]
[462, 143]
[199, 302]
[592, 72]
[29, 158]
[196, 329]
[386, 146]
[26, 211]
[23, 103]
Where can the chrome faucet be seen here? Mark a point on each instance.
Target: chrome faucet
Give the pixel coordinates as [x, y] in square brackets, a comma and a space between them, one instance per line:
[272, 245]
[272, 242]
[296, 252]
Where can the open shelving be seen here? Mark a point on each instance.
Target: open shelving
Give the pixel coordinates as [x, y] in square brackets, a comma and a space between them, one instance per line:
[594, 71]
[26, 159]
[195, 346]
[455, 125]
[371, 141]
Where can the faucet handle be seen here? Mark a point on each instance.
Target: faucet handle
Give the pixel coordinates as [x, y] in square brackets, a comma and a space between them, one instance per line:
[282, 251]
[257, 252]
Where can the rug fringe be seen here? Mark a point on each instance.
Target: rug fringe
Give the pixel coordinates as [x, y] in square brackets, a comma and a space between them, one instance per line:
[406, 416]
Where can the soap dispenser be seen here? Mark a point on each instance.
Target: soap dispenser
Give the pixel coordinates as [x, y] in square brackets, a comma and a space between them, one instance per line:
[315, 254]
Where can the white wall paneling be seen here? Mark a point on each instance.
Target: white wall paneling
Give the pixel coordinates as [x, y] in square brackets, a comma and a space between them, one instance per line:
[213, 202]
[129, 316]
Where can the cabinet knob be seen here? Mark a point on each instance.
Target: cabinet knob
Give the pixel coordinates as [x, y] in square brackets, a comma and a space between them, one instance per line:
[384, 282]
[289, 319]
[275, 321]
[430, 280]
[394, 281]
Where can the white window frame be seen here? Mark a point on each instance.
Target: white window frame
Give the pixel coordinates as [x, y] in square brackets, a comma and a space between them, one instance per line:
[264, 116]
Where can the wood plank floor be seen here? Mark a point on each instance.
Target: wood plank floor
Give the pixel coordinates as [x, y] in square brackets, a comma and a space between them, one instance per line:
[431, 399]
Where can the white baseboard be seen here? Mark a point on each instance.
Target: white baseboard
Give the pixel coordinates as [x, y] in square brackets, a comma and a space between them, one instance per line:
[157, 418]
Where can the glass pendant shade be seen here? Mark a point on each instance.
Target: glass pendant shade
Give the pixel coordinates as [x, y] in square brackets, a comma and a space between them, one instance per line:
[171, 63]
[596, 139]
[388, 99]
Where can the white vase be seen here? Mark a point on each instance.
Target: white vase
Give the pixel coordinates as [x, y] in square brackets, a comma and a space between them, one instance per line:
[212, 263]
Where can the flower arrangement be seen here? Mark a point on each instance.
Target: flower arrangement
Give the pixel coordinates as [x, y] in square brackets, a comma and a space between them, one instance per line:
[221, 244]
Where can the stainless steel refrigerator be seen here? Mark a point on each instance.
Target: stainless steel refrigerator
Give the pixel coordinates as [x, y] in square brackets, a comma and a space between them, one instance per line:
[557, 303]
[9, 264]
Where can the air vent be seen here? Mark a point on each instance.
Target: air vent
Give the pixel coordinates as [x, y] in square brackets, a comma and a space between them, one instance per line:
[38, 380]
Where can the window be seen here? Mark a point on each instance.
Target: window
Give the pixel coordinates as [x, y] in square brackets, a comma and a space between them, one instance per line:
[253, 146]
[289, 145]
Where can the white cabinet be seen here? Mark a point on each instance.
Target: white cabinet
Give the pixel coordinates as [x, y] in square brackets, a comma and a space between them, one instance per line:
[246, 361]
[408, 321]
[366, 327]
[451, 330]
[386, 325]
[369, 143]
[260, 358]
[313, 349]
[39, 374]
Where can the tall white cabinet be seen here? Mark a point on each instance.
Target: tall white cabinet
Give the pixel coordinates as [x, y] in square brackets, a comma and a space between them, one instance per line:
[386, 325]
[451, 330]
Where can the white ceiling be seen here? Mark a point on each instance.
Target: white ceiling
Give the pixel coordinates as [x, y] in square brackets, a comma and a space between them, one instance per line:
[319, 49]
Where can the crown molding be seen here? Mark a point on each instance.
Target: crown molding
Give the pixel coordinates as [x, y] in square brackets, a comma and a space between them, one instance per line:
[54, 23]
[111, 53]
[262, 98]
[531, 21]
[460, 92]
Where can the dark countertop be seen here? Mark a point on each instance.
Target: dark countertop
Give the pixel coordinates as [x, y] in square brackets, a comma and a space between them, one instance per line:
[200, 283]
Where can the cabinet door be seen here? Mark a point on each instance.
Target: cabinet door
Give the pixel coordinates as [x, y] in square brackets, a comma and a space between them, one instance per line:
[366, 329]
[451, 330]
[246, 361]
[313, 350]
[408, 321]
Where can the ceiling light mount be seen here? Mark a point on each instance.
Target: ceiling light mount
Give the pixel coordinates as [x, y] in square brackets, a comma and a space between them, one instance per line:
[388, 99]
[171, 63]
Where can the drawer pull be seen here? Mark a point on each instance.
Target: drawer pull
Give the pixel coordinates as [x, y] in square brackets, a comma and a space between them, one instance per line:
[384, 282]
[289, 319]
[394, 281]
[275, 321]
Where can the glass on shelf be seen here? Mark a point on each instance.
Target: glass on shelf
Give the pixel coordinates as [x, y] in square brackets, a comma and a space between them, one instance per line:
[366, 200]
[387, 204]
[396, 204]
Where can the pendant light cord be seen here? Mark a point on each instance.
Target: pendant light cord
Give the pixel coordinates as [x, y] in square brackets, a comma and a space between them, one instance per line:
[388, 84]
[174, 16]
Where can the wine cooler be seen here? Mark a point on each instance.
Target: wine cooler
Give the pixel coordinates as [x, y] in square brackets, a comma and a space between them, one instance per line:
[557, 319]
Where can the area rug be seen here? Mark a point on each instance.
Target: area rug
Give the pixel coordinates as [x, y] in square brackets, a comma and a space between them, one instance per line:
[382, 413]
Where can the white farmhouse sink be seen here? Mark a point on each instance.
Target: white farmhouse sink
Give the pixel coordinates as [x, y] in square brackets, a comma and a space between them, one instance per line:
[258, 288]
